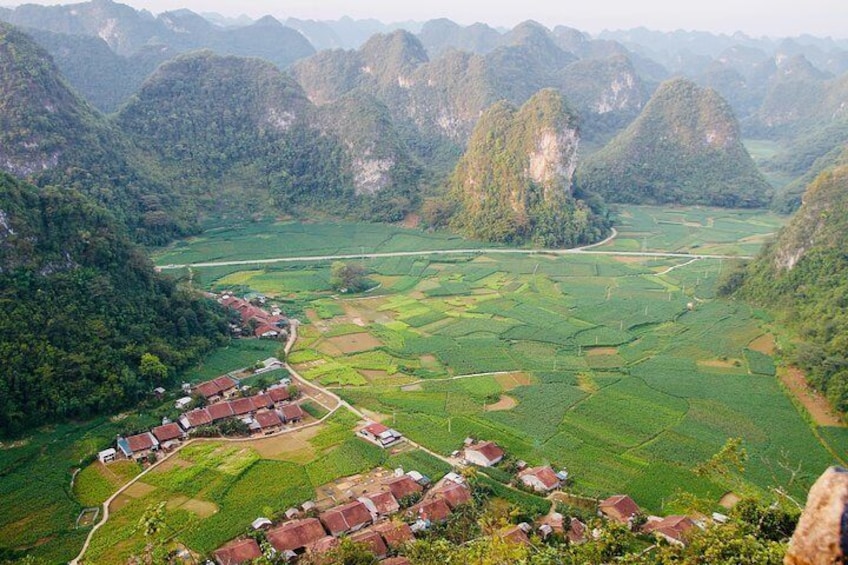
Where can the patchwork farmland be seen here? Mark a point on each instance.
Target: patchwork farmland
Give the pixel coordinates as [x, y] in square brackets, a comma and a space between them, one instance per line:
[629, 369]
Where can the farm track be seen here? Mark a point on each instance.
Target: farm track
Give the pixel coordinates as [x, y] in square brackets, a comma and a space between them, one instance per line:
[584, 250]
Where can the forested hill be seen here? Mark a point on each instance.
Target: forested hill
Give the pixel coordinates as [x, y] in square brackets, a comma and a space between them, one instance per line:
[49, 136]
[684, 148]
[804, 274]
[514, 183]
[80, 306]
[233, 135]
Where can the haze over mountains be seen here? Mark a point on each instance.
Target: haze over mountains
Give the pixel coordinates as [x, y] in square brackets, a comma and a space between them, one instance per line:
[518, 136]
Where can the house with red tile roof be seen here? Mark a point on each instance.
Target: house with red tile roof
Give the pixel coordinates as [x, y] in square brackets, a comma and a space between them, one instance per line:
[266, 422]
[279, 395]
[432, 510]
[515, 534]
[346, 518]
[217, 389]
[395, 533]
[674, 529]
[138, 446]
[238, 552]
[484, 454]
[380, 503]
[242, 406]
[381, 435]
[403, 486]
[620, 508]
[170, 432]
[291, 413]
[220, 411]
[540, 479]
[296, 535]
[261, 401]
[323, 545]
[195, 418]
[373, 541]
[454, 494]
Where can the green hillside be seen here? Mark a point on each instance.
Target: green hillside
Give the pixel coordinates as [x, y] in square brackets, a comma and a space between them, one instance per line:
[50, 136]
[514, 182]
[79, 307]
[684, 148]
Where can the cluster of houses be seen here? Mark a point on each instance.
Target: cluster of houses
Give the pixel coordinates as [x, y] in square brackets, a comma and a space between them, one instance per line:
[264, 413]
[620, 508]
[375, 519]
[258, 321]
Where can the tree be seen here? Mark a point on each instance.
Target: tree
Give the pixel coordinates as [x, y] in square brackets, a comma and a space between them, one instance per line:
[152, 369]
[348, 277]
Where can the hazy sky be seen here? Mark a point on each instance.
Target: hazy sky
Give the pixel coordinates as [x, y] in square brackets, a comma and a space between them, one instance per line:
[754, 17]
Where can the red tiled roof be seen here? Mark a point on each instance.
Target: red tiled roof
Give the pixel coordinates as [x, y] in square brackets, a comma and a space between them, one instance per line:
[375, 543]
[267, 419]
[515, 535]
[323, 545]
[385, 502]
[576, 531]
[237, 552]
[453, 494]
[141, 442]
[220, 411]
[345, 518]
[292, 412]
[403, 486]
[296, 535]
[279, 394]
[395, 533]
[674, 527]
[261, 401]
[242, 406]
[198, 417]
[545, 475]
[215, 386]
[208, 389]
[487, 449]
[435, 510]
[619, 508]
[395, 561]
[264, 329]
[375, 429]
[167, 432]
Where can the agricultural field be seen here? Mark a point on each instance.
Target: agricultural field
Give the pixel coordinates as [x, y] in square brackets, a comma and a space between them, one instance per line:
[271, 239]
[212, 490]
[628, 371]
[714, 231]
[42, 505]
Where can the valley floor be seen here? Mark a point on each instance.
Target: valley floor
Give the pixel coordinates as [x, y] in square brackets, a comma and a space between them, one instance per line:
[625, 369]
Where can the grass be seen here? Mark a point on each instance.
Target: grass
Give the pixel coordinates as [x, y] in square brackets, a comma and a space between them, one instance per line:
[238, 354]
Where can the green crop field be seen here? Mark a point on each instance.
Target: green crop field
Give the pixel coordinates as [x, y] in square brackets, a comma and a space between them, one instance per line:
[627, 368]
[629, 372]
[265, 240]
[693, 229]
[213, 490]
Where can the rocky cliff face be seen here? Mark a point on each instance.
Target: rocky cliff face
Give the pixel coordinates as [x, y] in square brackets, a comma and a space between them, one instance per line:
[514, 183]
[822, 220]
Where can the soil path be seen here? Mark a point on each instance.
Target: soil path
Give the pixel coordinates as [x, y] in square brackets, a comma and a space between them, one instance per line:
[814, 402]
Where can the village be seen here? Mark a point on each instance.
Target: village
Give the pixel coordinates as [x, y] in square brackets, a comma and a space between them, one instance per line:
[383, 509]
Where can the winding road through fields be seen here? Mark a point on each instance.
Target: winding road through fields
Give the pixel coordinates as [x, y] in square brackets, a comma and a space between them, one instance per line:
[584, 250]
